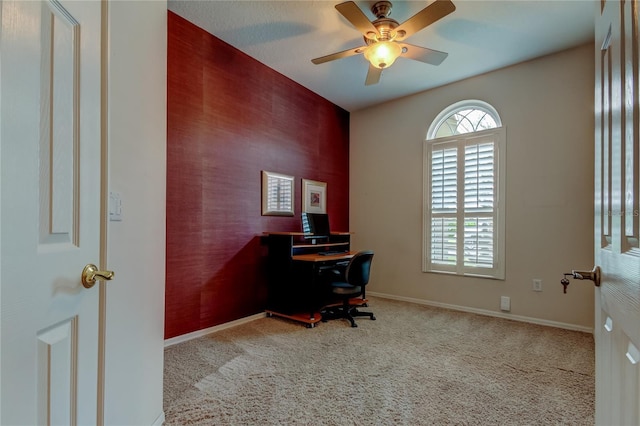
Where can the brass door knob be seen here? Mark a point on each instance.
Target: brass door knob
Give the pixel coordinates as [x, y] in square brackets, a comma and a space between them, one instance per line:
[90, 274]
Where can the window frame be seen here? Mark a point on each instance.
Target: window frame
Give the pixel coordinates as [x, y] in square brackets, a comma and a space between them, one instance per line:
[460, 142]
[460, 106]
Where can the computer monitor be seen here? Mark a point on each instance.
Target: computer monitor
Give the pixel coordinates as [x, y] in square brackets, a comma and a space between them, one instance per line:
[316, 224]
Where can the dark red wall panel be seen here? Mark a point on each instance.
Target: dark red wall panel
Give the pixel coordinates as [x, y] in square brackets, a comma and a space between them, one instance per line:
[228, 118]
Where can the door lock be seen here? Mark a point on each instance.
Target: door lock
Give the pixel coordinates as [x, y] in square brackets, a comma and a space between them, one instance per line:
[594, 275]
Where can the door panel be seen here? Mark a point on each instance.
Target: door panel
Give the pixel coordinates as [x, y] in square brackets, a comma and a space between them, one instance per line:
[50, 147]
[59, 139]
[617, 162]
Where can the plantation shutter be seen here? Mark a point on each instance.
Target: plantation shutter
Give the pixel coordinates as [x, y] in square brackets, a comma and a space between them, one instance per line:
[444, 195]
[463, 204]
[479, 194]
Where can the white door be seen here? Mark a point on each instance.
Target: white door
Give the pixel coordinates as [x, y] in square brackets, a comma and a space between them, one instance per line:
[50, 213]
[617, 226]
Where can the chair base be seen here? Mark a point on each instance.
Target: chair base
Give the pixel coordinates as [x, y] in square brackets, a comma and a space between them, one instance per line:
[347, 312]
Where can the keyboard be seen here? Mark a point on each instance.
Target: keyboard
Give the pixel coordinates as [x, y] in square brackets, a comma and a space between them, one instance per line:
[331, 252]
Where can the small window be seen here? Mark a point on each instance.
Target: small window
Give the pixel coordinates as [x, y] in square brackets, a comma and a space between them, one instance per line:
[464, 192]
[464, 117]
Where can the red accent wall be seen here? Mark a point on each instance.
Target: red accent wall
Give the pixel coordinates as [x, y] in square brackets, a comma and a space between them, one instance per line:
[228, 118]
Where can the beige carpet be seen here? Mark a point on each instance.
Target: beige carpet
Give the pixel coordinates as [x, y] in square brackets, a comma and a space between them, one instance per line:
[415, 365]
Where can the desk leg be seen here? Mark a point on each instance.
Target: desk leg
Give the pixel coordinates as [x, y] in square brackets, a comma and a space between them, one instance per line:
[312, 311]
[313, 293]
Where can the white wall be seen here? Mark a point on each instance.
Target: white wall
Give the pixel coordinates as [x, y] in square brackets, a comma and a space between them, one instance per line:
[136, 245]
[547, 108]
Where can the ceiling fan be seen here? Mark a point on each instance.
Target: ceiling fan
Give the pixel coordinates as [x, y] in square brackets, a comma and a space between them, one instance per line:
[385, 37]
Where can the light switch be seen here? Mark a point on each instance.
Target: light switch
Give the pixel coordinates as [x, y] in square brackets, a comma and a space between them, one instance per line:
[115, 206]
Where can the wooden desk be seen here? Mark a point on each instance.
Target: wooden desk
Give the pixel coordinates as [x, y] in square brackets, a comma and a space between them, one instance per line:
[319, 258]
[294, 265]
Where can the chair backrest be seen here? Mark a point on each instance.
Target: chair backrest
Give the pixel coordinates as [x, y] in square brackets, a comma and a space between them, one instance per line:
[357, 272]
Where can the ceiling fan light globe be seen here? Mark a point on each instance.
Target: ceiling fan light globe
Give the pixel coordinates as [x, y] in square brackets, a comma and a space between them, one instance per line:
[383, 54]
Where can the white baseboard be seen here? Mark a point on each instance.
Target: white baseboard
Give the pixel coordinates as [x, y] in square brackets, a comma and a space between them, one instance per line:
[205, 331]
[160, 420]
[484, 312]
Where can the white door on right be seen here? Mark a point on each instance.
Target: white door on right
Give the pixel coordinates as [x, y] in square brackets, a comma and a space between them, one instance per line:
[617, 225]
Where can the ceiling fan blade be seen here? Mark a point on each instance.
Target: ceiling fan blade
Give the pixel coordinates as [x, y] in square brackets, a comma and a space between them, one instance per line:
[373, 75]
[357, 18]
[422, 54]
[339, 55]
[427, 16]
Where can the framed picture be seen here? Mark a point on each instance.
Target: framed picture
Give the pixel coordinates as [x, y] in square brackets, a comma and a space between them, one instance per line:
[277, 194]
[314, 196]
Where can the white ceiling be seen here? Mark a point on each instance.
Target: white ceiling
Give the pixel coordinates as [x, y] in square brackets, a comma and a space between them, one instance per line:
[479, 36]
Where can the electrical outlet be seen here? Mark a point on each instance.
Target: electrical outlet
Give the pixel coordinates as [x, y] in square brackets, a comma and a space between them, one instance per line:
[505, 303]
[537, 284]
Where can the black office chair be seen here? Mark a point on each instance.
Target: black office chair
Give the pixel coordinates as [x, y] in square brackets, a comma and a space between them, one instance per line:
[349, 285]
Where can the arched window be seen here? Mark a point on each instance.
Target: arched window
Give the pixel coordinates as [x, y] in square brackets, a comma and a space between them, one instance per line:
[464, 191]
[464, 117]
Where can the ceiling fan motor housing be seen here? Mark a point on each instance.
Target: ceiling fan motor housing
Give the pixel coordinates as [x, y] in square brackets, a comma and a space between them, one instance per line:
[385, 27]
[383, 24]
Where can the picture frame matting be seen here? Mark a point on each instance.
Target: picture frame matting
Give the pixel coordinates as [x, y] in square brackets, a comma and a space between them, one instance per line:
[314, 196]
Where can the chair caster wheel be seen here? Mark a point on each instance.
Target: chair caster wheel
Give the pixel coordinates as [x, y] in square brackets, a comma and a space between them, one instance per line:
[373, 318]
[354, 325]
